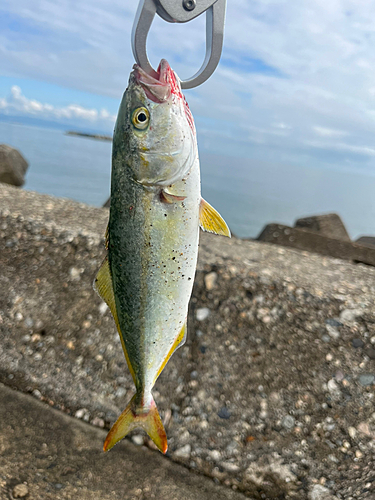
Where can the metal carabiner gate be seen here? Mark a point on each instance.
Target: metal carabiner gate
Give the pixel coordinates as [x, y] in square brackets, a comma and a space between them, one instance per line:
[181, 11]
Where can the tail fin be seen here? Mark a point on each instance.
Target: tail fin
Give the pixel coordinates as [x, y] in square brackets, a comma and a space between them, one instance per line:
[135, 416]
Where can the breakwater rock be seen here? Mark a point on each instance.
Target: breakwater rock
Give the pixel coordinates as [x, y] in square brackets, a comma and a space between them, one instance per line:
[99, 137]
[273, 393]
[13, 166]
[324, 234]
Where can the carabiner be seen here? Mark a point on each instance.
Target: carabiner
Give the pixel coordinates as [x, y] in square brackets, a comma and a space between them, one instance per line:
[181, 11]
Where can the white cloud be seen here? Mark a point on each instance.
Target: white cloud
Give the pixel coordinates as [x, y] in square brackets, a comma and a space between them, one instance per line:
[328, 132]
[281, 125]
[343, 147]
[322, 50]
[18, 103]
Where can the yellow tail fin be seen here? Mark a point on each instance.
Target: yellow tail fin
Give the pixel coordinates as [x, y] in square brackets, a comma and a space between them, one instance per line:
[135, 416]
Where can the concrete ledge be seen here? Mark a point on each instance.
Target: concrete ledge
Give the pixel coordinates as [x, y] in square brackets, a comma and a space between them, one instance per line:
[48, 455]
[303, 239]
[273, 394]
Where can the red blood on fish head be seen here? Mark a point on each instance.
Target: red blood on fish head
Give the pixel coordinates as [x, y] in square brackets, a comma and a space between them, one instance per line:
[157, 89]
[161, 85]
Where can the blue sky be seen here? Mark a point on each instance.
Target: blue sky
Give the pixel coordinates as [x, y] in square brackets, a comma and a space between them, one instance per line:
[296, 83]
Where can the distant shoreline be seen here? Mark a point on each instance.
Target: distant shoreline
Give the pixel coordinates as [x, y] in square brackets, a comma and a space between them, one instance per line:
[97, 137]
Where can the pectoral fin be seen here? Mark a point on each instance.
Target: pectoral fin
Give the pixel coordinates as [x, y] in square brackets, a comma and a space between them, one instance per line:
[210, 220]
[170, 198]
[104, 287]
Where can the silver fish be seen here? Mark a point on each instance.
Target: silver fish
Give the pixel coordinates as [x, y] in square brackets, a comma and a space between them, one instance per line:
[152, 236]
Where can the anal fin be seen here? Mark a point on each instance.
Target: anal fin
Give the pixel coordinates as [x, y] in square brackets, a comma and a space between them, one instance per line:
[179, 341]
[104, 287]
[210, 220]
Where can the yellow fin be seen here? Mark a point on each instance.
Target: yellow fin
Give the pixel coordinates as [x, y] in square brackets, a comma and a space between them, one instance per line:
[179, 341]
[135, 415]
[210, 220]
[104, 286]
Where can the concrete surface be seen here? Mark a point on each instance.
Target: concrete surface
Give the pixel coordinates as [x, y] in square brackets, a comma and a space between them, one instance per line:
[45, 454]
[329, 225]
[302, 239]
[273, 394]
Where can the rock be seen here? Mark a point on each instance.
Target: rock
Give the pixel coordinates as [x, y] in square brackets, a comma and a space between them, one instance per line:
[37, 394]
[83, 413]
[329, 225]
[319, 492]
[288, 422]
[333, 332]
[273, 477]
[370, 352]
[229, 466]
[350, 315]
[75, 273]
[120, 392]
[183, 452]
[333, 322]
[138, 439]
[202, 313]
[103, 308]
[364, 428]
[302, 239]
[367, 241]
[210, 280]
[366, 379]
[333, 388]
[224, 413]
[98, 422]
[13, 166]
[356, 343]
[20, 491]
[215, 455]
[352, 431]
[29, 323]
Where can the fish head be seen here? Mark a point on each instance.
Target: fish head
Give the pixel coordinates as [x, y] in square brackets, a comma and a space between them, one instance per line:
[155, 133]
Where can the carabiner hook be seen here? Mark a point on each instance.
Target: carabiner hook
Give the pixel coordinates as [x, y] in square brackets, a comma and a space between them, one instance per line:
[175, 11]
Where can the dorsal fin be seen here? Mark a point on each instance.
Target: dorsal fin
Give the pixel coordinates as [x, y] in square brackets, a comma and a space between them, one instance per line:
[104, 287]
[210, 220]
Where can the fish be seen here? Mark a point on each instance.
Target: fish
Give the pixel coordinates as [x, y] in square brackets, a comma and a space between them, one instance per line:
[152, 236]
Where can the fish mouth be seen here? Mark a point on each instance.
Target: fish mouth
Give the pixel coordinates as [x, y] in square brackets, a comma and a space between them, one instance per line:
[161, 84]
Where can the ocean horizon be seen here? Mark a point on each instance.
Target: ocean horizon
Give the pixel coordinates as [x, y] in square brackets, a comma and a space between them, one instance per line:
[247, 192]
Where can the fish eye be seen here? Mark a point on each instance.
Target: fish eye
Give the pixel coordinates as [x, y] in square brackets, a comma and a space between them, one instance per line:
[140, 118]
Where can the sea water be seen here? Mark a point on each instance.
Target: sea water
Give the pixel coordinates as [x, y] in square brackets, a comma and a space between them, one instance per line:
[247, 193]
